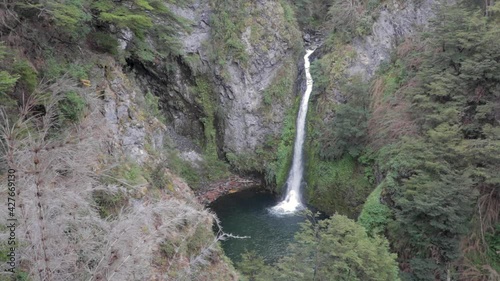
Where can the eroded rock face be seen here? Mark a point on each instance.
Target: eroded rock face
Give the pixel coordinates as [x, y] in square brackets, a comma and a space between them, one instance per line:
[271, 42]
[395, 22]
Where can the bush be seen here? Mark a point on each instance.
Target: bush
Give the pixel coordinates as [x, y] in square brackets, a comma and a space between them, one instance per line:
[338, 186]
[109, 204]
[184, 169]
[28, 77]
[71, 107]
[158, 178]
[152, 106]
[55, 67]
[374, 215]
[103, 42]
[198, 240]
[352, 18]
[7, 80]
[493, 241]
[227, 27]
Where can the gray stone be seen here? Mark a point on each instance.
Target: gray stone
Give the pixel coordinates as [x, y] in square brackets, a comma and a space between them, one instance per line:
[239, 88]
[391, 27]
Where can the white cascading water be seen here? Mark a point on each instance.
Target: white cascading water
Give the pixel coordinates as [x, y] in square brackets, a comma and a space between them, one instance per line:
[293, 200]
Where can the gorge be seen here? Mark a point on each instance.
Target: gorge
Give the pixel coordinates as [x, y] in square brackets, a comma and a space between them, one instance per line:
[119, 116]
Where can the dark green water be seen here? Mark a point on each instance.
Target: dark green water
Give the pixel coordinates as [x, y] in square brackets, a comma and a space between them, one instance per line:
[246, 213]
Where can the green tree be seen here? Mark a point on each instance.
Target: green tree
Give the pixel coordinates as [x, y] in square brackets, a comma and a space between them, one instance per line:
[441, 185]
[333, 249]
[251, 265]
[346, 133]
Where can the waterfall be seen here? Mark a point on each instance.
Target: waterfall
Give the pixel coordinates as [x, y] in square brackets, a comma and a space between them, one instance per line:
[293, 199]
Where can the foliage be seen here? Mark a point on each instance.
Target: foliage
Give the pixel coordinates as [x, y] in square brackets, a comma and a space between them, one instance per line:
[107, 19]
[339, 186]
[65, 232]
[56, 67]
[152, 106]
[197, 241]
[7, 80]
[70, 17]
[127, 173]
[347, 133]
[282, 85]
[206, 97]
[109, 204]
[337, 135]
[431, 116]
[493, 240]
[28, 77]
[310, 14]
[375, 215]
[183, 168]
[158, 178]
[240, 29]
[350, 19]
[251, 265]
[441, 178]
[104, 42]
[72, 107]
[329, 70]
[332, 249]
[284, 153]
[227, 26]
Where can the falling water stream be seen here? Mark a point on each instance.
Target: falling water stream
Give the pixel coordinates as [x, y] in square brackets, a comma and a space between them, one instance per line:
[257, 214]
[293, 199]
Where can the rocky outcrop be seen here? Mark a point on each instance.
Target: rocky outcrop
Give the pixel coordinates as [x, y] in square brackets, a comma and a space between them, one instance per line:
[130, 129]
[137, 135]
[395, 21]
[271, 42]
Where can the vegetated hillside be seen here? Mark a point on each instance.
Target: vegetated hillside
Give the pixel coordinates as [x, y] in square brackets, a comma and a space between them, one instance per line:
[96, 191]
[423, 128]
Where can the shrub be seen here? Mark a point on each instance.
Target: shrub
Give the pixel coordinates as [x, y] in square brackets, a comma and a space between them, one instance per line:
[183, 168]
[71, 107]
[337, 186]
[152, 106]
[28, 77]
[103, 42]
[7, 80]
[159, 178]
[374, 215]
[109, 204]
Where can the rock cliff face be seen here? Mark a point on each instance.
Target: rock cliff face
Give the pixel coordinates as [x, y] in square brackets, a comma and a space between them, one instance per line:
[138, 137]
[396, 21]
[271, 44]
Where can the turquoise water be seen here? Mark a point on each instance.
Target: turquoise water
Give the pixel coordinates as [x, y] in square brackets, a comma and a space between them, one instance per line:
[246, 213]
